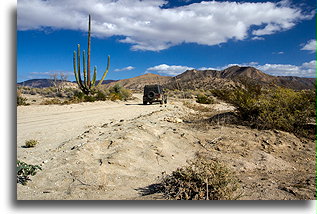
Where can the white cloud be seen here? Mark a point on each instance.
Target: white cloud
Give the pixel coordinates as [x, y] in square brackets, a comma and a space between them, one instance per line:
[129, 68]
[169, 69]
[206, 68]
[310, 46]
[257, 38]
[307, 69]
[147, 26]
[279, 53]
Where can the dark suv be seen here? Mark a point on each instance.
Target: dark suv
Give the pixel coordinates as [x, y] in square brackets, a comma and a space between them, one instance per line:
[154, 93]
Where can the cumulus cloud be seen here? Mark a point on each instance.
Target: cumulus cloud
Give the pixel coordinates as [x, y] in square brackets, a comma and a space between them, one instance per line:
[169, 69]
[310, 46]
[148, 25]
[129, 68]
[307, 69]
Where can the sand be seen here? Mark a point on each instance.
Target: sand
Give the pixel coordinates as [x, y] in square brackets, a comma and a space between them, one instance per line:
[116, 150]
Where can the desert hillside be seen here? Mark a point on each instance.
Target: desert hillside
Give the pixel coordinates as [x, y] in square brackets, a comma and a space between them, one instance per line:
[138, 83]
[230, 77]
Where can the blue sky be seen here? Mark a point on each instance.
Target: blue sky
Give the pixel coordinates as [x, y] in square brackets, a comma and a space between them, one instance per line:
[166, 37]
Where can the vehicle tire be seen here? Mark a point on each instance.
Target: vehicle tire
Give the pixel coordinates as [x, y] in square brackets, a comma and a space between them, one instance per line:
[151, 94]
[144, 102]
[150, 103]
[161, 102]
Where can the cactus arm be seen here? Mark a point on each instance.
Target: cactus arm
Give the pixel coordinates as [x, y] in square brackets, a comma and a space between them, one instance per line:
[94, 77]
[88, 52]
[85, 69]
[74, 65]
[78, 63]
[81, 85]
[105, 73]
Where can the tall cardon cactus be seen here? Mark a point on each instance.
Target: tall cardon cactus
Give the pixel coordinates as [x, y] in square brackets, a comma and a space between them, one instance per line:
[86, 85]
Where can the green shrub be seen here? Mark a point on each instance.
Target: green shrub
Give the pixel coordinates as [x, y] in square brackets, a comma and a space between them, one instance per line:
[31, 143]
[223, 94]
[284, 109]
[101, 95]
[115, 96]
[274, 108]
[80, 95]
[21, 101]
[89, 98]
[25, 170]
[203, 99]
[126, 94]
[115, 89]
[202, 179]
[118, 92]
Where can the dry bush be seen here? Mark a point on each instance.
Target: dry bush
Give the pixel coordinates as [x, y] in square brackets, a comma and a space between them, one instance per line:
[53, 101]
[21, 101]
[117, 92]
[202, 179]
[31, 143]
[195, 107]
[204, 99]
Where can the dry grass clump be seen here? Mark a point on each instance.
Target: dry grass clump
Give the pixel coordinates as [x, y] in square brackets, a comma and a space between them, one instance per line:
[54, 101]
[31, 143]
[202, 179]
[195, 107]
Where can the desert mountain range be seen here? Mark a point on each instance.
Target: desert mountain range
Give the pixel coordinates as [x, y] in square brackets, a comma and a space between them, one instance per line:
[195, 79]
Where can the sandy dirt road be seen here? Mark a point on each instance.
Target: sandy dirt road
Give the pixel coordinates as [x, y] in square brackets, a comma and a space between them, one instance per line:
[54, 124]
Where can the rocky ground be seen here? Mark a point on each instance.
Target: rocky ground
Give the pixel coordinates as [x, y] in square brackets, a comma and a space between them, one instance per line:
[117, 150]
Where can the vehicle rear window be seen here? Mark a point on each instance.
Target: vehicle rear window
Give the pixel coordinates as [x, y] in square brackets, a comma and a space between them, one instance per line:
[154, 88]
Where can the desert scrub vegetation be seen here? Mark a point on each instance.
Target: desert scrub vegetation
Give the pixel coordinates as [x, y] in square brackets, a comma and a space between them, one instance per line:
[25, 170]
[21, 101]
[113, 93]
[54, 101]
[204, 99]
[202, 179]
[182, 94]
[272, 108]
[31, 143]
[196, 107]
[118, 92]
[71, 95]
